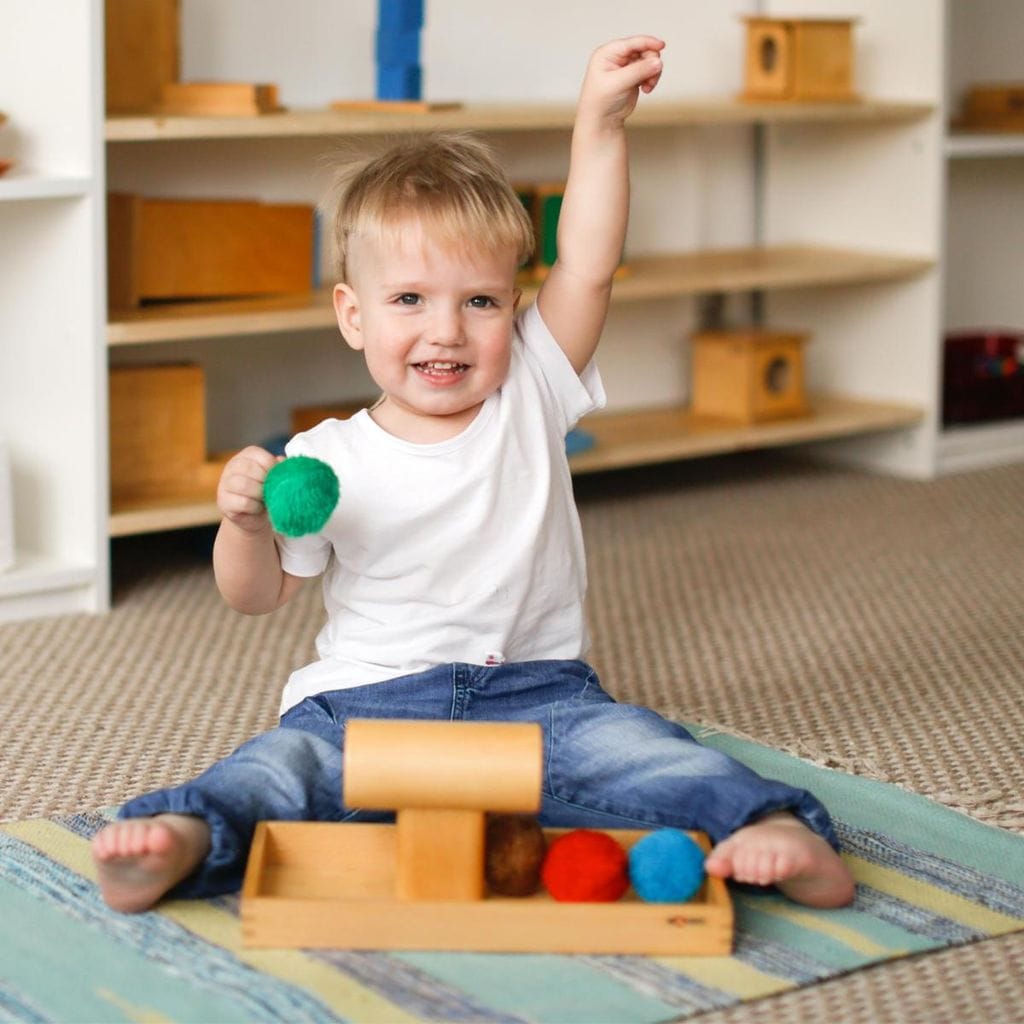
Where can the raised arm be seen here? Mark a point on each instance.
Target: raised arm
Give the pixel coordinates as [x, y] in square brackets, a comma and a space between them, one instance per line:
[246, 563]
[592, 224]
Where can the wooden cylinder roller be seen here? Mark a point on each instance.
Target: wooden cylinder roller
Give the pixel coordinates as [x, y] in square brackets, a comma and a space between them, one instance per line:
[485, 766]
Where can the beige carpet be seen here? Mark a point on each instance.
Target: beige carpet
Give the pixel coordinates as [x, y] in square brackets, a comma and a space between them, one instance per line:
[870, 624]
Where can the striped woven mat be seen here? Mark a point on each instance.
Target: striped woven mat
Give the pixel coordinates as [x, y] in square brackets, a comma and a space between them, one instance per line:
[928, 878]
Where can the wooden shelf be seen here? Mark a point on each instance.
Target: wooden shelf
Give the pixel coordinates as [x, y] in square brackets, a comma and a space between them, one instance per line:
[499, 117]
[650, 277]
[183, 320]
[666, 435]
[980, 145]
[623, 439]
[173, 514]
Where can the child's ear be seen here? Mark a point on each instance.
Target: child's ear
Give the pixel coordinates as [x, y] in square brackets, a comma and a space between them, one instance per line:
[346, 309]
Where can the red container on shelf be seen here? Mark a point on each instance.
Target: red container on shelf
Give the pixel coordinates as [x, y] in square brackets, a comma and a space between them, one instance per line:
[982, 376]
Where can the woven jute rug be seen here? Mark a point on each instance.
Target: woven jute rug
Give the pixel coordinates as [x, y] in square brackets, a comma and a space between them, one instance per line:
[863, 623]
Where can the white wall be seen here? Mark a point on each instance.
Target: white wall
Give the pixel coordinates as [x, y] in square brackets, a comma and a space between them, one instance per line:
[319, 50]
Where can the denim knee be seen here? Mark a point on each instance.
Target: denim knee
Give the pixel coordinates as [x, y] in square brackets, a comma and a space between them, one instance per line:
[622, 765]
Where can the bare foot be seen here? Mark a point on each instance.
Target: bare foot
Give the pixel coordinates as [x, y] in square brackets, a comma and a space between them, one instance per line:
[780, 850]
[139, 859]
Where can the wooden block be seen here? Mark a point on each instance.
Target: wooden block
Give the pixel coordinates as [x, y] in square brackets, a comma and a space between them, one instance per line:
[546, 199]
[157, 430]
[440, 855]
[142, 53]
[218, 99]
[331, 886]
[799, 59]
[306, 417]
[391, 764]
[995, 107]
[748, 376]
[392, 106]
[193, 249]
[543, 202]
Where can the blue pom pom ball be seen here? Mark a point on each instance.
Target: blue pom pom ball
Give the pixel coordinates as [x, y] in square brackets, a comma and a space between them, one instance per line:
[666, 866]
[300, 494]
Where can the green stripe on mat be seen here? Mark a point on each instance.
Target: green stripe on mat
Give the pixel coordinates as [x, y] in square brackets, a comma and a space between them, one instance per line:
[76, 981]
[220, 929]
[880, 807]
[559, 989]
[867, 938]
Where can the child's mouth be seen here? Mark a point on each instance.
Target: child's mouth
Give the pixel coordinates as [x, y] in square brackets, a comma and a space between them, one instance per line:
[440, 370]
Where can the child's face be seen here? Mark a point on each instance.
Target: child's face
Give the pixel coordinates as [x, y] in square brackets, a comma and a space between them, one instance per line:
[434, 324]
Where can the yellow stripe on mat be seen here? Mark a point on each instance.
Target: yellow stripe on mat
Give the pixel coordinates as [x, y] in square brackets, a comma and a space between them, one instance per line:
[824, 926]
[930, 897]
[344, 995]
[728, 975]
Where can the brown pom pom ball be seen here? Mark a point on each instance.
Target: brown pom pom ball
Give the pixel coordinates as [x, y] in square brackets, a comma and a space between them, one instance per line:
[515, 847]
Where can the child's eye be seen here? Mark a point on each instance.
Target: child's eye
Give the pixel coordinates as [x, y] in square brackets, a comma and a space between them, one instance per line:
[482, 302]
[407, 299]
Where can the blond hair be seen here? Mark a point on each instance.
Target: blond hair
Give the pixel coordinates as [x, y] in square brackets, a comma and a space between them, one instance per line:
[451, 182]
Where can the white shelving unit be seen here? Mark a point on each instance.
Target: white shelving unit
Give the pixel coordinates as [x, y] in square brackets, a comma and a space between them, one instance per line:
[983, 213]
[52, 365]
[833, 216]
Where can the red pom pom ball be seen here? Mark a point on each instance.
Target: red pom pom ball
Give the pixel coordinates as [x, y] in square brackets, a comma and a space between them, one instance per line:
[584, 866]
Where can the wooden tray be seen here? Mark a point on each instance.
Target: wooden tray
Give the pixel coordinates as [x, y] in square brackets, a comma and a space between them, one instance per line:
[317, 885]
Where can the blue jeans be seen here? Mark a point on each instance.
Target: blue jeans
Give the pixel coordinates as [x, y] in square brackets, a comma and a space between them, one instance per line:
[606, 764]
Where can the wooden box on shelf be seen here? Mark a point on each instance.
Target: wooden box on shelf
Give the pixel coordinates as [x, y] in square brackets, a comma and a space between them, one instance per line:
[158, 433]
[994, 108]
[163, 249]
[799, 59]
[306, 417]
[545, 205]
[219, 99]
[142, 53]
[748, 376]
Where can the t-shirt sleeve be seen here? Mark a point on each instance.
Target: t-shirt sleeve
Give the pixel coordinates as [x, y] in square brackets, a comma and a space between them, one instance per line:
[575, 394]
[308, 555]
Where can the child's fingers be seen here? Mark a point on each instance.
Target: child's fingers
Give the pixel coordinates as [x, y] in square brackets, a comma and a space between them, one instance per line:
[643, 72]
[641, 44]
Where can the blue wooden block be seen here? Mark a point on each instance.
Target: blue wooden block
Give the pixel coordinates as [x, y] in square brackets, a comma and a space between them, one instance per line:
[577, 441]
[399, 15]
[399, 82]
[398, 48]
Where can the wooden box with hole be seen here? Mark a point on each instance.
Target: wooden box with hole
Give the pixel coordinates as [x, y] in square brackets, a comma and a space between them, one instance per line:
[748, 376]
[799, 59]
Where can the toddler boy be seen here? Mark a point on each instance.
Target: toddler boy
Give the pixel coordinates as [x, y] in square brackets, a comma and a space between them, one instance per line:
[453, 567]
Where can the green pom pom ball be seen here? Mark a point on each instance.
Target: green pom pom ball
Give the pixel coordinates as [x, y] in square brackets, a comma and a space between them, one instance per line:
[300, 494]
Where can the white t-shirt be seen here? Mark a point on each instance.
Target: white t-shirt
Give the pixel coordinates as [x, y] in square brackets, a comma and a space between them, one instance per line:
[468, 550]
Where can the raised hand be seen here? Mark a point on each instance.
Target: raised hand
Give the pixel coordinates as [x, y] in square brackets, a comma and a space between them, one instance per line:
[616, 75]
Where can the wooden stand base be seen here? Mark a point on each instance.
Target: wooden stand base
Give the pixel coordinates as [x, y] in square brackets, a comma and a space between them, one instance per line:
[219, 99]
[392, 106]
[318, 885]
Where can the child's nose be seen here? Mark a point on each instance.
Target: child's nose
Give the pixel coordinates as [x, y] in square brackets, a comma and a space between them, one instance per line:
[446, 328]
